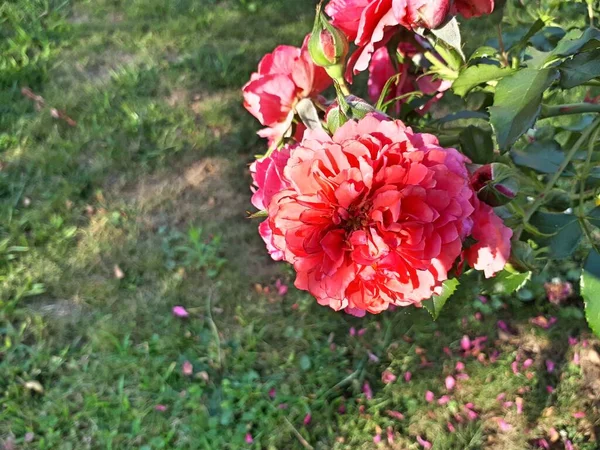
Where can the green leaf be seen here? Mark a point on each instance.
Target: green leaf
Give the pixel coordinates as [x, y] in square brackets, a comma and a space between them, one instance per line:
[519, 46]
[450, 34]
[590, 290]
[517, 103]
[435, 304]
[506, 282]
[565, 229]
[484, 52]
[580, 69]
[477, 144]
[475, 75]
[305, 362]
[575, 41]
[594, 216]
[308, 114]
[541, 156]
[461, 115]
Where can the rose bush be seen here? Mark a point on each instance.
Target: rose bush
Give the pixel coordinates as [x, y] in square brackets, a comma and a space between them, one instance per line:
[378, 206]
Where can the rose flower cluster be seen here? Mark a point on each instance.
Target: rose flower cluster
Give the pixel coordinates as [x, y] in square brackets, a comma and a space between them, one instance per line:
[370, 214]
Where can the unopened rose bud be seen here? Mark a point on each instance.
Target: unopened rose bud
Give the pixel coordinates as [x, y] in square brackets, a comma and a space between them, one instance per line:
[328, 46]
[495, 184]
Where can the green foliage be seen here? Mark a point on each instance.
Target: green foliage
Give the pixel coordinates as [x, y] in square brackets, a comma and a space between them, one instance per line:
[590, 290]
[436, 303]
[477, 144]
[517, 103]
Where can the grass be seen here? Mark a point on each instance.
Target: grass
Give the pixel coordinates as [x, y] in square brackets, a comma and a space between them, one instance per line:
[140, 207]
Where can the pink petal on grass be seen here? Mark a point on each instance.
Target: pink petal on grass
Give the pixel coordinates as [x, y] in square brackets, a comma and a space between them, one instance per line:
[423, 443]
[515, 367]
[494, 356]
[573, 340]
[451, 428]
[352, 331]
[543, 443]
[519, 403]
[462, 376]
[576, 358]
[282, 288]
[367, 390]
[180, 311]
[568, 445]
[388, 377]
[503, 425]
[550, 389]
[507, 404]
[502, 325]
[307, 419]
[450, 382]
[390, 435]
[443, 399]
[429, 396]
[501, 396]
[187, 368]
[579, 415]
[249, 439]
[272, 393]
[550, 366]
[377, 438]
[407, 376]
[447, 351]
[160, 408]
[362, 331]
[478, 316]
[460, 366]
[395, 414]
[465, 343]
[527, 363]
[373, 357]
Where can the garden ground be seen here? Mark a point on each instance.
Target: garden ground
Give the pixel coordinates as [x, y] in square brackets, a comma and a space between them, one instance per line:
[124, 189]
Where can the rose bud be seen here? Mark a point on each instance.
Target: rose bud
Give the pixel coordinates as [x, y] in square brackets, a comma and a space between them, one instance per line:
[328, 46]
[431, 13]
[495, 184]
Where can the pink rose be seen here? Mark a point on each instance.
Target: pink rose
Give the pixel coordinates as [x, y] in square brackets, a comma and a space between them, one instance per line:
[371, 23]
[492, 250]
[268, 180]
[284, 77]
[374, 216]
[267, 176]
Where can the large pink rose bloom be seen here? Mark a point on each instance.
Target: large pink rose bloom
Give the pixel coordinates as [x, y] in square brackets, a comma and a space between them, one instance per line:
[268, 180]
[375, 216]
[284, 77]
[370, 23]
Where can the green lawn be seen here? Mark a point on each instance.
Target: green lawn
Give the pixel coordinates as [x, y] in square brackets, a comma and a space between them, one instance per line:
[141, 206]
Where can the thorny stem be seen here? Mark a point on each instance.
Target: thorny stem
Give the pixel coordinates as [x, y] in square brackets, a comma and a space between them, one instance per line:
[582, 178]
[440, 66]
[542, 197]
[502, 48]
[568, 109]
